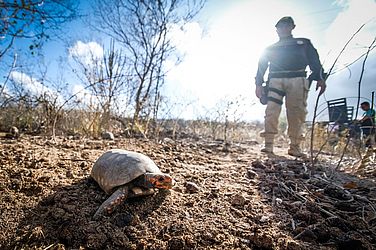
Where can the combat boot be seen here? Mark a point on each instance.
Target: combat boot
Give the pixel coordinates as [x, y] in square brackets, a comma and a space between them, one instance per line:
[268, 148]
[295, 150]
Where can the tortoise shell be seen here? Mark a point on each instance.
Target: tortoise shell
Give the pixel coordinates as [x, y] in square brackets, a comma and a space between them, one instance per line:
[118, 167]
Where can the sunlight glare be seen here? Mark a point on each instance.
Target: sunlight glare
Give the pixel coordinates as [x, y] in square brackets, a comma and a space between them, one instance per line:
[224, 61]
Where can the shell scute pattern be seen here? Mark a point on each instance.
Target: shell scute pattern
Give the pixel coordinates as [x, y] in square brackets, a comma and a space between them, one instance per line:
[118, 167]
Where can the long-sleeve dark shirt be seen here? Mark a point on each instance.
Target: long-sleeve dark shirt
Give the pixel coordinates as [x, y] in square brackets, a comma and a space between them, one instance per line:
[290, 55]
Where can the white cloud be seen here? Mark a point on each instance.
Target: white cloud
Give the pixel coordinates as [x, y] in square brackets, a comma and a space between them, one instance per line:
[33, 86]
[83, 95]
[87, 53]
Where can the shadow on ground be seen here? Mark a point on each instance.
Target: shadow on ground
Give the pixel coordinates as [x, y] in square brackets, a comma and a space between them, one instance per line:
[65, 218]
[318, 205]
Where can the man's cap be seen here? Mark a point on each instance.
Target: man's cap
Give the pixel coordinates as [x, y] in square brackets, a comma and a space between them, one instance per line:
[285, 19]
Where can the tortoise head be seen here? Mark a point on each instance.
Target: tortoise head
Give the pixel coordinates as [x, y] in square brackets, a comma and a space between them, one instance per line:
[162, 181]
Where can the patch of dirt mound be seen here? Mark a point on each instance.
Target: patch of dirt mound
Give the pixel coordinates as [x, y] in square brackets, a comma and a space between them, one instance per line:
[224, 198]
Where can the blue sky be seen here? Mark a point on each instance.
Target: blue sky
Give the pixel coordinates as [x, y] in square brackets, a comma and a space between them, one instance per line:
[223, 45]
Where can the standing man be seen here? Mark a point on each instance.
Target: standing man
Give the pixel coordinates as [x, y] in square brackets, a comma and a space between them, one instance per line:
[287, 61]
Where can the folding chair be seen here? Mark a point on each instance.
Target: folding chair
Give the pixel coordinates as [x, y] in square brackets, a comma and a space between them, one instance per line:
[339, 112]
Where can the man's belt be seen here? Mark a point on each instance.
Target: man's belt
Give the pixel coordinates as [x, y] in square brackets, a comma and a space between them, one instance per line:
[287, 74]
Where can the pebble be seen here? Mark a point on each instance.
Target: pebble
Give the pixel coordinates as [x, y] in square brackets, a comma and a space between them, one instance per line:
[69, 174]
[14, 132]
[264, 218]
[168, 140]
[278, 201]
[108, 136]
[192, 187]
[238, 200]
[251, 174]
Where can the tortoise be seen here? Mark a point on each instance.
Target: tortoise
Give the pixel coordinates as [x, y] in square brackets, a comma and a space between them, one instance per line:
[125, 174]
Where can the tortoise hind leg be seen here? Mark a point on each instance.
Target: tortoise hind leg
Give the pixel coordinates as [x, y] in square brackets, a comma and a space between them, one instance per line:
[112, 202]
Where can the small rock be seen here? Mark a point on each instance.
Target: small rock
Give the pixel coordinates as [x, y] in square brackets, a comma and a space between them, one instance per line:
[258, 164]
[69, 174]
[278, 201]
[77, 137]
[108, 136]
[168, 140]
[192, 187]
[14, 132]
[238, 200]
[251, 174]
[264, 218]
[245, 241]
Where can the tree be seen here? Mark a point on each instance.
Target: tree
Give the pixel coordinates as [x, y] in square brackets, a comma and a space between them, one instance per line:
[228, 112]
[143, 28]
[33, 20]
[105, 78]
[28, 103]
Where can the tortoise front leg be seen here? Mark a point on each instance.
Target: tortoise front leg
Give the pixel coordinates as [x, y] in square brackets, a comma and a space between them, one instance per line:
[109, 205]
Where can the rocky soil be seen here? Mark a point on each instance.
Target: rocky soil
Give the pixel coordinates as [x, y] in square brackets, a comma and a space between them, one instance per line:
[229, 197]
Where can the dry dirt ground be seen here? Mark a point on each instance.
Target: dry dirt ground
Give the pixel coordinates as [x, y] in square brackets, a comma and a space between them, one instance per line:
[245, 200]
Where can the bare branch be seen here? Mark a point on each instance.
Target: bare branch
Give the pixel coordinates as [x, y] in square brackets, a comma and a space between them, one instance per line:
[318, 97]
[359, 85]
[142, 28]
[35, 19]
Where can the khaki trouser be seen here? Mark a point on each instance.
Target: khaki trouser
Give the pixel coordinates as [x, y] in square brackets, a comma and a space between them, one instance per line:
[296, 92]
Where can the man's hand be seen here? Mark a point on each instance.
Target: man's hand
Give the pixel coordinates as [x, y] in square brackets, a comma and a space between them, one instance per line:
[259, 91]
[322, 85]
